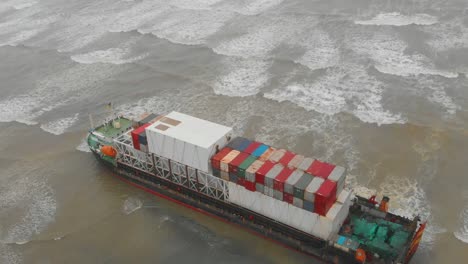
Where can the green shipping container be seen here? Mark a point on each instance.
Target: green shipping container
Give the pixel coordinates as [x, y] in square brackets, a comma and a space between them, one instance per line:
[301, 185]
[245, 165]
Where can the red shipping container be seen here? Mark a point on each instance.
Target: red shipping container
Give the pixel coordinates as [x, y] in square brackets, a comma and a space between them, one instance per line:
[288, 198]
[325, 197]
[252, 147]
[216, 159]
[234, 164]
[135, 133]
[260, 174]
[278, 183]
[287, 157]
[326, 169]
[250, 186]
[241, 182]
[315, 168]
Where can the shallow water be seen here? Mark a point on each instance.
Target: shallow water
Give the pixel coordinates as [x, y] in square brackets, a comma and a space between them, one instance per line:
[379, 87]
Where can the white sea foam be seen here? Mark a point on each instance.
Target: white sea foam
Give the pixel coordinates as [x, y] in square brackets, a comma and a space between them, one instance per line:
[250, 7]
[24, 4]
[9, 255]
[30, 199]
[156, 104]
[398, 19]
[462, 232]
[113, 55]
[83, 146]
[243, 77]
[388, 53]
[321, 50]
[438, 95]
[60, 89]
[196, 4]
[451, 34]
[347, 89]
[131, 204]
[189, 27]
[60, 126]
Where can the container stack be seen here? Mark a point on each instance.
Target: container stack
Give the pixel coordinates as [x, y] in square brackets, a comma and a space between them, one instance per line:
[285, 178]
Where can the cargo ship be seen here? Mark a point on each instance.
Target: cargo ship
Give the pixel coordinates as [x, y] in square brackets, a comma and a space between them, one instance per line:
[299, 202]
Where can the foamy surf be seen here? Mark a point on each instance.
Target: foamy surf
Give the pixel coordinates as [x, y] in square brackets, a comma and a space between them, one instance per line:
[31, 199]
[242, 78]
[321, 51]
[131, 204]
[398, 19]
[347, 89]
[462, 232]
[83, 146]
[113, 56]
[388, 53]
[60, 126]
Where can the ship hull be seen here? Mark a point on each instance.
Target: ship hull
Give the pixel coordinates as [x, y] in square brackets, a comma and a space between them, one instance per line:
[229, 213]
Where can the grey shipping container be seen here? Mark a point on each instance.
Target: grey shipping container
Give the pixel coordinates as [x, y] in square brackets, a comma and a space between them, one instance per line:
[301, 185]
[268, 191]
[291, 181]
[308, 206]
[298, 202]
[271, 175]
[260, 187]
[278, 195]
[216, 173]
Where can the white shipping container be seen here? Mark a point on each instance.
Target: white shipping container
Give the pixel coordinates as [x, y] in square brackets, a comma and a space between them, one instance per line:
[305, 164]
[278, 195]
[271, 175]
[312, 188]
[338, 175]
[296, 161]
[250, 172]
[186, 139]
[328, 225]
[345, 197]
[224, 163]
[291, 181]
[272, 208]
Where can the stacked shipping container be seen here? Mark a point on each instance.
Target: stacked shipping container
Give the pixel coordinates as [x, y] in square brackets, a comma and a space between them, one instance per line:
[306, 183]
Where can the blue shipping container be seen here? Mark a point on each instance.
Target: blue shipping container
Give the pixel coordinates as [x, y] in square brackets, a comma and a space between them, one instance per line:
[244, 144]
[260, 150]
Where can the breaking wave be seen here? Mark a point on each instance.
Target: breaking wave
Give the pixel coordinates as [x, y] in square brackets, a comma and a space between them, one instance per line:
[462, 232]
[398, 19]
[388, 53]
[243, 77]
[347, 89]
[60, 126]
[113, 55]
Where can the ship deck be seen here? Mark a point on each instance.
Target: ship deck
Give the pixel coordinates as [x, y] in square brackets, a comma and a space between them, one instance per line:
[109, 131]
